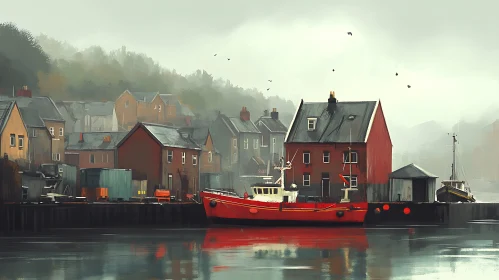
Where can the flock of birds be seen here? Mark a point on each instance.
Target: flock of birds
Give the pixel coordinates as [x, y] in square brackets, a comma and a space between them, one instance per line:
[349, 34]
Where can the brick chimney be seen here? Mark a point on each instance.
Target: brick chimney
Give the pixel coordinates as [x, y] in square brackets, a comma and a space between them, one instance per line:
[24, 91]
[274, 115]
[331, 102]
[245, 114]
[81, 137]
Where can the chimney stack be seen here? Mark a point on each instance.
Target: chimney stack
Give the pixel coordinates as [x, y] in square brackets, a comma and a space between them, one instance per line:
[245, 114]
[265, 113]
[107, 139]
[24, 92]
[81, 137]
[274, 115]
[331, 102]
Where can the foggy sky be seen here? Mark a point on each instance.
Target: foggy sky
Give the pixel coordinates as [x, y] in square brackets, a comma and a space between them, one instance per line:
[446, 50]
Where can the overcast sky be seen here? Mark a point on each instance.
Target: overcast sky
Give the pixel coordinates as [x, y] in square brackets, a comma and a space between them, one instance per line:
[448, 51]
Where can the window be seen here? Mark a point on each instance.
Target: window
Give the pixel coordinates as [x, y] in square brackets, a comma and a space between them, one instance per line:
[159, 108]
[126, 104]
[170, 181]
[354, 157]
[262, 142]
[246, 144]
[265, 191]
[183, 157]
[234, 157]
[210, 156]
[325, 157]
[273, 140]
[61, 131]
[107, 157]
[255, 144]
[155, 107]
[51, 130]
[275, 191]
[306, 157]
[12, 140]
[21, 141]
[92, 158]
[354, 180]
[169, 156]
[312, 122]
[56, 157]
[234, 142]
[194, 160]
[34, 132]
[306, 179]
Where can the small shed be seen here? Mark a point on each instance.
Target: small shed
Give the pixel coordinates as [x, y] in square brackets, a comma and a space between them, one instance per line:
[412, 183]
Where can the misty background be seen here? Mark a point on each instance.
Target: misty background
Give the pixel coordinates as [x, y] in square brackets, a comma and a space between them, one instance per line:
[446, 50]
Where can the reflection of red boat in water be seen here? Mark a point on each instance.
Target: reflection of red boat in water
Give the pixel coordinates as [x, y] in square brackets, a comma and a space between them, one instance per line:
[273, 204]
[311, 238]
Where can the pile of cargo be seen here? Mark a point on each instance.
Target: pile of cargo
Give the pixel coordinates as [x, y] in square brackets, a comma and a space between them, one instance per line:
[102, 184]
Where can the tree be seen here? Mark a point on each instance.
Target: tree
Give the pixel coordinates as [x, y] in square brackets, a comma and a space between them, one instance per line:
[25, 55]
[52, 84]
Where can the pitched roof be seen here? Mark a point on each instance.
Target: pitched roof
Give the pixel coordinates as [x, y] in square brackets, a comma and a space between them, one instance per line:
[5, 111]
[333, 126]
[93, 140]
[169, 98]
[45, 106]
[167, 136]
[173, 100]
[272, 124]
[144, 96]
[235, 124]
[411, 171]
[78, 109]
[31, 117]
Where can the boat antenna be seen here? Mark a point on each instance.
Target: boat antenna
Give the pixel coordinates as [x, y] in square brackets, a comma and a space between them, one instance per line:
[454, 140]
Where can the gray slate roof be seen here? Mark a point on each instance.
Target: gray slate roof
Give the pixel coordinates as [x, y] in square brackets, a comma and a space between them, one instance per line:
[144, 96]
[273, 125]
[237, 125]
[78, 109]
[411, 171]
[332, 127]
[5, 110]
[45, 106]
[181, 108]
[169, 136]
[93, 140]
[31, 117]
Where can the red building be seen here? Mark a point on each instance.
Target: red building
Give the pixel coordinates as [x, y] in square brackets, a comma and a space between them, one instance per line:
[163, 156]
[320, 136]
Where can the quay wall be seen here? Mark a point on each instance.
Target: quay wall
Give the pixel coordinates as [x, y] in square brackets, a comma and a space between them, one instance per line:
[36, 218]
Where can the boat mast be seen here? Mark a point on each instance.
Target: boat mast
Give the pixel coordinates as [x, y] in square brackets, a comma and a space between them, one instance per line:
[454, 140]
[350, 160]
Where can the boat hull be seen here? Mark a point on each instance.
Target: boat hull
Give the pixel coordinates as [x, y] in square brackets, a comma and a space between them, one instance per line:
[236, 210]
[450, 194]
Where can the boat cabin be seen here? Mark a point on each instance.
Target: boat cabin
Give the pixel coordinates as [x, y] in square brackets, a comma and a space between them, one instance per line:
[460, 185]
[272, 193]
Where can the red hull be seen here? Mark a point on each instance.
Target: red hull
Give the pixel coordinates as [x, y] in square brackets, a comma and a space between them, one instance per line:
[311, 238]
[224, 207]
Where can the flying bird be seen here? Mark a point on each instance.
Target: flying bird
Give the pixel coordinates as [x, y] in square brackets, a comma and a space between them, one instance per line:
[228, 58]
[349, 33]
[270, 81]
[333, 70]
[268, 89]
[396, 74]
[408, 86]
[215, 55]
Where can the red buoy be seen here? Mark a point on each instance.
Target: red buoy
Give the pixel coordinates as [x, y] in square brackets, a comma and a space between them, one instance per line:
[386, 207]
[407, 211]
[377, 211]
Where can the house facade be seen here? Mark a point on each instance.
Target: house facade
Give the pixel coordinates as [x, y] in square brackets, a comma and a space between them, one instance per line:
[40, 140]
[92, 149]
[273, 134]
[48, 112]
[14, 142]
[88, 116]
[163, 156]
[328, 139]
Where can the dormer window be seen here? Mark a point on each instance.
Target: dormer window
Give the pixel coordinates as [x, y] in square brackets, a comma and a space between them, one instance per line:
[312, 123]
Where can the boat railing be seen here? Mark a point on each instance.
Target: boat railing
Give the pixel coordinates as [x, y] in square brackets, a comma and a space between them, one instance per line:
[224, 192]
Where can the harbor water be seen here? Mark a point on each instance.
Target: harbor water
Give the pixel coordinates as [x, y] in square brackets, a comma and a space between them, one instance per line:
[255, 253]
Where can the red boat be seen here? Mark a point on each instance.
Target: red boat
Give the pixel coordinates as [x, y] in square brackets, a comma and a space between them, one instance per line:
[274, 204]
[312, 238]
